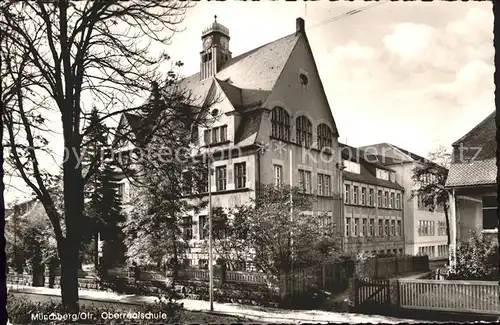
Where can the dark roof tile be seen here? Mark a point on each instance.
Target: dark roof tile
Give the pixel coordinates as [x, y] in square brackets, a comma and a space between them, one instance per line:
[478, 144]
[479, 172]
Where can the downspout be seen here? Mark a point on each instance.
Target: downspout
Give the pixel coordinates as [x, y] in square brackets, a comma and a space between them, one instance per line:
[258, 178]
[403, 232]
[340, 169]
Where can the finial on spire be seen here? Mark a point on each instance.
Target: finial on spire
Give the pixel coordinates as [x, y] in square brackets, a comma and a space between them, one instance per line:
[215, 18]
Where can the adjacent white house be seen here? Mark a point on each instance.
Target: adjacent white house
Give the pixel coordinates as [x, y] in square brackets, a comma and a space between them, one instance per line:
[472, 181]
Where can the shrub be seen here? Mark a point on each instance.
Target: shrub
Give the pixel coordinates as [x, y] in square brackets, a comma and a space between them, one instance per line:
[476, 260]
[20, 311]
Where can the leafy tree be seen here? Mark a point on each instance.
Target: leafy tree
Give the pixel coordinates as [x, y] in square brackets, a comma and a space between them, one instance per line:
[163, 175]
[430, 178]
[476, 260]
[56, 55]
[30, 241]
[13, 249]
[105, 212]
[103, 207]
[274, 235]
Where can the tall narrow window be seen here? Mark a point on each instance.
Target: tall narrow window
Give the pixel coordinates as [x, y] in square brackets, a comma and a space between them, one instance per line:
[365, 227]
[363, 196]
[202, 232]
[240, 178]
[305, 181]
[320, 184]
[386, 227]
[381, 227]
[370, 197]
[221, 178]
[371, 230]
[354, 195]
[325, 136]
[393, 227]
[398, 228]
[206, 136]
[327, 189]
[303, 129]
[392, 200]
[223, 133]
[347, 227]
[379, 198]
[278, 174]
[386, 199]
[347, 195]
[280, 121]
[324, 185]
[398, 201]
[356, 226]
[215, 135]
[187, 228]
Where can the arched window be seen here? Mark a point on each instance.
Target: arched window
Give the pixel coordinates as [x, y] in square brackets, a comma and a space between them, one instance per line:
[324, 136]
[281, 124]
[303, 129]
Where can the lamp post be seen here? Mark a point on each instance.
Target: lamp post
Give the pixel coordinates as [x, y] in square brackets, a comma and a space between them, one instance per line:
[210, 255]
[214, 114]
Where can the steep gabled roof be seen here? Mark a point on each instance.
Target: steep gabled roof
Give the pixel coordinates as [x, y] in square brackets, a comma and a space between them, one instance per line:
[255, 70]
[475, 164]
[480, 142]
[246, 80]
[480, 172]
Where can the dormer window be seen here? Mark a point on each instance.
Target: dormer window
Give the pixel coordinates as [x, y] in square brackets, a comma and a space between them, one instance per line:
[382, 174]
[352, 167]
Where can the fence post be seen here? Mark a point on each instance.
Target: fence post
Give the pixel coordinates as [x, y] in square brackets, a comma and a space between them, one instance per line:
[323, 275]
[353, 291]
[394, 293]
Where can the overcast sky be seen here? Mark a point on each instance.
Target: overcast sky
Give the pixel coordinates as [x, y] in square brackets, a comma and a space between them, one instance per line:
[414, 74]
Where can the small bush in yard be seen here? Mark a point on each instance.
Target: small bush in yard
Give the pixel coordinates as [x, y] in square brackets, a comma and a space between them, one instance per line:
[476, 260]
[21, 311]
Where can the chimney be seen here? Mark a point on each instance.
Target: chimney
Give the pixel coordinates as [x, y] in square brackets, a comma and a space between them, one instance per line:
[299, 26]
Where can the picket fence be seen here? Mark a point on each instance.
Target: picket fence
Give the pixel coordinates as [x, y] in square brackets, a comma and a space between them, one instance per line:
[478, 297]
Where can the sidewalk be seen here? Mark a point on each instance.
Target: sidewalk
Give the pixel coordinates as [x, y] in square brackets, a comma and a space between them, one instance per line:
[254, 313]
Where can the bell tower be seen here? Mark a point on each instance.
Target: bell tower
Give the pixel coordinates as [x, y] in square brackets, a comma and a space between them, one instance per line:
[215, 41]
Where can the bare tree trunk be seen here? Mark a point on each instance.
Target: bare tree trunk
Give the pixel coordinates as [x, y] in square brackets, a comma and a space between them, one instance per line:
[69, 249]
[447, 220]
[175, 260]
[96, 252]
